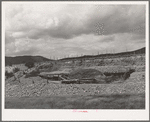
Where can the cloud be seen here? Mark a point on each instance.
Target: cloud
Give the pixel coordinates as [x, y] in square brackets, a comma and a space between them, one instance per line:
[18, 34]
[84, 44]
[74, 20]
[70, 29]
[9, 38]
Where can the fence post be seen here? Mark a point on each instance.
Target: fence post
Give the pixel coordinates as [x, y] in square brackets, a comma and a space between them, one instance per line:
[32, 81]
[47, 81]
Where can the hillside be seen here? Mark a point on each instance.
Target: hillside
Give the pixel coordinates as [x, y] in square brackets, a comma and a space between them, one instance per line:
[24, 59]
[139, 51]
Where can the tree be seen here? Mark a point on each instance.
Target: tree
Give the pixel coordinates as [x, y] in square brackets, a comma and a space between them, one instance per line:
[8, 74]
[16, 70]
[29, 64]
[33, 73]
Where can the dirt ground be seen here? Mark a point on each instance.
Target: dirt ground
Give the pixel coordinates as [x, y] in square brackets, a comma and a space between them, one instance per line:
[130, 94]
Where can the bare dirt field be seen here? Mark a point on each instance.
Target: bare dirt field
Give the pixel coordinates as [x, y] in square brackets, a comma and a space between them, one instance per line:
[34, 92]
[129, 94]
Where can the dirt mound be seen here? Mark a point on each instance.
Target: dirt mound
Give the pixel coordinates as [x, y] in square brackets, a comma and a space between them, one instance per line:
[84, 73]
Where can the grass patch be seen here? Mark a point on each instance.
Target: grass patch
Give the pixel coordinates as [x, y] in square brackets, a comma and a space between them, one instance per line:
[124, 101]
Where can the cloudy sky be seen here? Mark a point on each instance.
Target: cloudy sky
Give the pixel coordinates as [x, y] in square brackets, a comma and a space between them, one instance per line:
[61, 30]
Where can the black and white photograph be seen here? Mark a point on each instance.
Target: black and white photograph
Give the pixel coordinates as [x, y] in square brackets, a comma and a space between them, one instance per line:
[83, 58]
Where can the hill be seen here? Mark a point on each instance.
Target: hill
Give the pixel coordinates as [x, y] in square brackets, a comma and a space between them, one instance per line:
[24, 59]
[139, 51]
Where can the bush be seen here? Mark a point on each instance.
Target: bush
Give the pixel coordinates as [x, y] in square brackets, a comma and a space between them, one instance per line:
[33, 73]
[8, 74]
[16, 70]
[101, 63]
[29, 64]
[127, 74]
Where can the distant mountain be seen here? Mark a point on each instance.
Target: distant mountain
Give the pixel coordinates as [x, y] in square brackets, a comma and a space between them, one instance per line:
[139, 51]
[24, 59]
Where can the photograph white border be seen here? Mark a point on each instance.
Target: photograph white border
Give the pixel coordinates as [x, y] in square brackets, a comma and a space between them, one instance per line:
[68, 114]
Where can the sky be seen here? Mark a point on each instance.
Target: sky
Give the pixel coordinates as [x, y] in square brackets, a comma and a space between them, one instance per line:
[66, 30]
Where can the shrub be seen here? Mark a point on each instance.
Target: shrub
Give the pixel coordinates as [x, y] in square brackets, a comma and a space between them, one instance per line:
[8, 74]
[29, 64]
[16, 70]
[101, 63]
[33, 73]
[127, 74]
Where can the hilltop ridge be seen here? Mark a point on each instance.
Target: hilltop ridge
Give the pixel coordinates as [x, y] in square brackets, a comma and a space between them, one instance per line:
[139, 51]
[24, 59]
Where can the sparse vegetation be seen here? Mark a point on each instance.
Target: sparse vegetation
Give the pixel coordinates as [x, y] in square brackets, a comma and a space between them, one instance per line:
[33, 73]
[29, 64]
[8, 74]
[16, 70]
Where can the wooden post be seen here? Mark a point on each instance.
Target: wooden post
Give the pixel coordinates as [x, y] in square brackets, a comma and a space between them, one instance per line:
[47, 80]
[14, 77]
[19, 80]
[33, 81]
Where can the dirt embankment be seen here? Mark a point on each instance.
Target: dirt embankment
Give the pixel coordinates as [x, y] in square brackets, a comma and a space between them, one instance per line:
[84, 73]
[134, 85]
